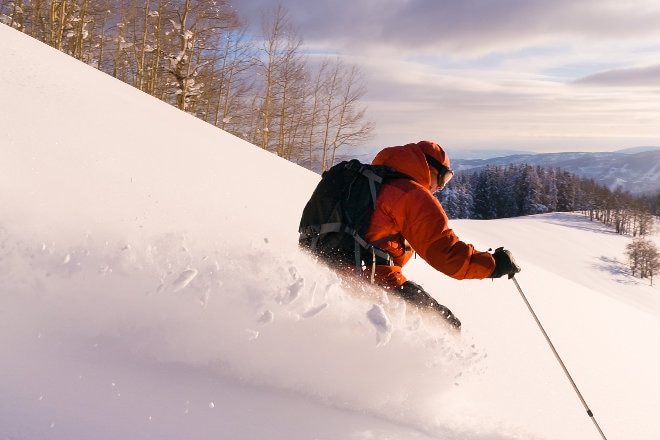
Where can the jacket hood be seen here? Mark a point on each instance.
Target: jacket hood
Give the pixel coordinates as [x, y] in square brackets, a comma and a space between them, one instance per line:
[410, 159]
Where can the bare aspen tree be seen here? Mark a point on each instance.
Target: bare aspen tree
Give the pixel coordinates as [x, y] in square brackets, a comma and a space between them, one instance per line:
[146, 36]
[342, 120]
[297, 121]
[180, 66]
[120, 62]
[15, 17]
[291, 93]
[278, 57]
[157, 54]
[6, 11]
[197, 25]
[79, 32]
[233, 84]
[143, 47]
[102, 16]
[154, 83]
[254, 121]
[267, 65]
[41, 16]
[351, 127]
[315, 92]
[58, 14]
[331, 87]
[227, 106]
[38, 20]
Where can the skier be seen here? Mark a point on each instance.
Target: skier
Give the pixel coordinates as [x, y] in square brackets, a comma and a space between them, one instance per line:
[408, 218]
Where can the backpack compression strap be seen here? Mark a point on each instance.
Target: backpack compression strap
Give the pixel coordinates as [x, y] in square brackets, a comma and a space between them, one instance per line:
[315, 231]
[370, 175]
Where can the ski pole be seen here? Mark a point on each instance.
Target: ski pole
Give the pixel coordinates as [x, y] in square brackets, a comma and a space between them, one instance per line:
[563, 366]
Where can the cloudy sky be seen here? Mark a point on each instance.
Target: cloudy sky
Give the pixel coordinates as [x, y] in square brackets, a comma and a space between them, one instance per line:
[535, 75]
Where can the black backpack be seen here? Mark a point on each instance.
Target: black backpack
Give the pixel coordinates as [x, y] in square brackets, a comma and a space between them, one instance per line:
[335, 220]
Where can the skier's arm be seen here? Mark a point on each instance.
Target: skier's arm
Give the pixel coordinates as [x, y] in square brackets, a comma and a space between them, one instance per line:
[425, 225]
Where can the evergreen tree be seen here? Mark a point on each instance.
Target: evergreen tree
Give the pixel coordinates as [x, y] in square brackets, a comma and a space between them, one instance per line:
[486, 194]
[549, 193]
[566, 192]
[528, 191]
[456, 198]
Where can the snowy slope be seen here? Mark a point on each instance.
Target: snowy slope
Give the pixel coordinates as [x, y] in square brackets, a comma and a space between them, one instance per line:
[151, 287]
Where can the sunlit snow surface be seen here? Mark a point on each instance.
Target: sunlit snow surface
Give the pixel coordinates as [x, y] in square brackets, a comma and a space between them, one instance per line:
[151, 287]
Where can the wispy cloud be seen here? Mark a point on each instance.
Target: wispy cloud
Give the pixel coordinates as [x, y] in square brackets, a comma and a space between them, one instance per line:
[530, 74]
[635, 77]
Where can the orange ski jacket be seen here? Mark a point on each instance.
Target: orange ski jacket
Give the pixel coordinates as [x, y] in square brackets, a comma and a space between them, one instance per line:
[407, 211]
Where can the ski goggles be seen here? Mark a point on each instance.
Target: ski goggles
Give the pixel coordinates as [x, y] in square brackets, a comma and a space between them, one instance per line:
[444, 172]
[444, 176]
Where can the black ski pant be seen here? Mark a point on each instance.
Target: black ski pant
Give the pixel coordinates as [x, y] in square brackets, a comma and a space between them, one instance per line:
[415, 294]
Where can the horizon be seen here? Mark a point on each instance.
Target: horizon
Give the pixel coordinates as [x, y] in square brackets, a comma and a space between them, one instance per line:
[486, 154]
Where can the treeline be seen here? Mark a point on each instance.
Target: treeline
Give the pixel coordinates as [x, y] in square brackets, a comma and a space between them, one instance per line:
[517, 190]
[198, 56]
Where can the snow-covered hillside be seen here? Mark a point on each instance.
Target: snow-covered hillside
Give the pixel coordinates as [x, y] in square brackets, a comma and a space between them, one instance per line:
[151, 287]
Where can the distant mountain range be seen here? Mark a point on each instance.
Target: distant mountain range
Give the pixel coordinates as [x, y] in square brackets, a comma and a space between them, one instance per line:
[636, 170]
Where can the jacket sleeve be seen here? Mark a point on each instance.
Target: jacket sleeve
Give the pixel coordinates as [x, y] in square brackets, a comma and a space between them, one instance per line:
[424, 224]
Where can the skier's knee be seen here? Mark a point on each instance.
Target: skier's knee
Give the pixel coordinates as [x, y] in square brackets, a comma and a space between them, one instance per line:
[415, 294]
[412, 292]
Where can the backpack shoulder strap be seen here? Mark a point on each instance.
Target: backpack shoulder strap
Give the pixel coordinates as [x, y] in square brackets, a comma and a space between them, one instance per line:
[367, 171]
[376, 174]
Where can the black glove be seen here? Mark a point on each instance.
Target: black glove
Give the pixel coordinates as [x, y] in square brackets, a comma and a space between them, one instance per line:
[504, 264]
